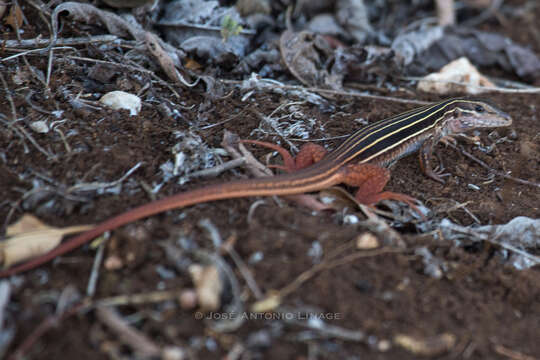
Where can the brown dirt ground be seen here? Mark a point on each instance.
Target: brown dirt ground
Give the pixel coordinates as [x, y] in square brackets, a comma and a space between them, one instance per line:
[483, 303]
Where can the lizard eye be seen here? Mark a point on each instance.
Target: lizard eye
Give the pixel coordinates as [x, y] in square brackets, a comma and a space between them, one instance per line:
[479, 108]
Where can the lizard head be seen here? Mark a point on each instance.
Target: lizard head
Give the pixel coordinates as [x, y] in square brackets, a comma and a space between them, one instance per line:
[473, 114]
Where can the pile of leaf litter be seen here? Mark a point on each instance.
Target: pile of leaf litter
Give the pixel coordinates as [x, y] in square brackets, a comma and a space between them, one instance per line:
[109, 105]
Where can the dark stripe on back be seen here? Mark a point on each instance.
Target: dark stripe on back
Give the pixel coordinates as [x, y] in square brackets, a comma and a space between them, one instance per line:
[364, 144]
[381, 128]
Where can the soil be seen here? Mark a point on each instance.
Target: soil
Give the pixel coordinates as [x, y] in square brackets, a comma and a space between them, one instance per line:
[487, 306]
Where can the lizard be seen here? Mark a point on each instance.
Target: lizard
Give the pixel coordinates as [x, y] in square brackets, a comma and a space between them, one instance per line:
[361, 160]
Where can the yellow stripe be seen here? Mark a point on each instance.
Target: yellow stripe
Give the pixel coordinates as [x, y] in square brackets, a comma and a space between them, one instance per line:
[346, 146]
[389, 122]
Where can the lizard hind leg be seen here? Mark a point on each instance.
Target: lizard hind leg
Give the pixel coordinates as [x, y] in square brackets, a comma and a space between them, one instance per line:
[288, 161]
[371, 180]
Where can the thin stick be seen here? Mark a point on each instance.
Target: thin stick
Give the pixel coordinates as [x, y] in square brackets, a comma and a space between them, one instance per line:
[218, 169]
[42, 328]
[12, 45]
[326, 265]
[331, 92]
[131, 68]
[529, 90]
[9, 98]
[94, 275]
[130, 336]
[486, 166]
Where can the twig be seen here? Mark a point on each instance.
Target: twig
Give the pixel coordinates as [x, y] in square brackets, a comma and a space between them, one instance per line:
[5, 290]
[127, 334]
[218, 169]
[223, 122]
[241, 265]
[42, 328]
[10, 45]
[252, 209]
[23, 133]
[228, 247]
[328, 91]
[137, 299]
[486, 14]
[9, 98]
[529, 90]
[94, 275]
[210, 28]
[237, 305]
[327, 265]
[479, 236]
[512, 354]
[486, 166]
[325, 329]
[33, 51]
[131, 68]
[457, 205]
[93, 186]
[255, 167]
[122, 66]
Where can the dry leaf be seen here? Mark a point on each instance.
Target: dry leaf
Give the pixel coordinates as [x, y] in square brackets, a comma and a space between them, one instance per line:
[208, 286]
[458, 71]
[15, 17]
[29, 237]
[27, 223]
[305, 55]
[164, 59]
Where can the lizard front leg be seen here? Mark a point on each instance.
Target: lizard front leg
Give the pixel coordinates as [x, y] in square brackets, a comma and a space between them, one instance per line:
[425, 156]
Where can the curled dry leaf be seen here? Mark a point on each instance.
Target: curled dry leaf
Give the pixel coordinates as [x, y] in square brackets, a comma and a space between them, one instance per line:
[306, 56]
[458, 71]
[115, 24]
[208, 286]
[29, 237]
[164, 59]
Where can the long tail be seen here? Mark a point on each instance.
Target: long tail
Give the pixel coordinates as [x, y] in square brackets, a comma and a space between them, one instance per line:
[275, 185]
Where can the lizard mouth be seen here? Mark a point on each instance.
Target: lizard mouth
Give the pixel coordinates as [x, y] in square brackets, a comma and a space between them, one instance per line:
[467, 122]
